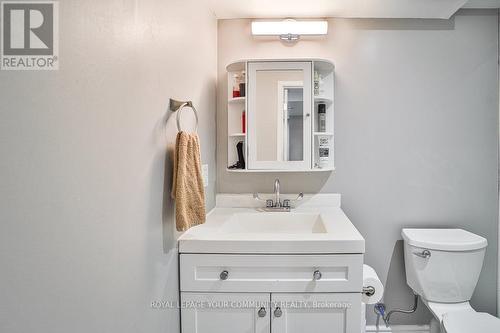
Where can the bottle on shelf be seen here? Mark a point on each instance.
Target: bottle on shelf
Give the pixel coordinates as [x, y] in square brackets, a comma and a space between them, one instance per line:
[236, 86]
[242, 84]
[317, 78]
[321, 117]
[323, 151]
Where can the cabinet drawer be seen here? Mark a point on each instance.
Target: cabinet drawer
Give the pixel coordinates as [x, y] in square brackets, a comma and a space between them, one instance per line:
[271, 273]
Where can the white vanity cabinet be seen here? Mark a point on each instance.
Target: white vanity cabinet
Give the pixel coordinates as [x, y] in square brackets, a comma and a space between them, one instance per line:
[282, 293]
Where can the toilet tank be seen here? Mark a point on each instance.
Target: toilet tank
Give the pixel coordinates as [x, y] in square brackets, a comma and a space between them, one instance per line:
[443, 265]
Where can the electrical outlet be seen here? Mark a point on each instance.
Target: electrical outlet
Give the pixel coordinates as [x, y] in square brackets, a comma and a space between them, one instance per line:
[204, 174]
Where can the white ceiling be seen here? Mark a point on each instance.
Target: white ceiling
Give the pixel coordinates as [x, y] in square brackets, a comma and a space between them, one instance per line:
[442, 9]
[482, 4]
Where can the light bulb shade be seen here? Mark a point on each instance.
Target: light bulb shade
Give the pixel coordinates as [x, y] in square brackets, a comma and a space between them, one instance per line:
[289, 27]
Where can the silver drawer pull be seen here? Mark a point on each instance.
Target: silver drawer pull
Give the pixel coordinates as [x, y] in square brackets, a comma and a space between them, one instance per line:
[262, 312]
[224, 275]
[317, 275]
[278, 312]
[424, 254]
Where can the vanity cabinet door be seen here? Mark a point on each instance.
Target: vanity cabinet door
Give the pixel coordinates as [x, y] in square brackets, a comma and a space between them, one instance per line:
[225, 313]
[299, 313]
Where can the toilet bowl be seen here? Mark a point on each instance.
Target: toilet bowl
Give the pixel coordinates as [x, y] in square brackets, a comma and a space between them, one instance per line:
[443, 267]
[462, 318]
[469, 322]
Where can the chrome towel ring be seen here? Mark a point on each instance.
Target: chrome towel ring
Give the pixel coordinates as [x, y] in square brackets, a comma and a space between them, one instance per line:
[177, 106]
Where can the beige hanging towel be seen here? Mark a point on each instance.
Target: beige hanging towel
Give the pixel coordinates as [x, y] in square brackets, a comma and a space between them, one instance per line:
[187, 187]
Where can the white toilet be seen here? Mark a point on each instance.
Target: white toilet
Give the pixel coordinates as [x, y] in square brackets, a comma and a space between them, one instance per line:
[443, 267]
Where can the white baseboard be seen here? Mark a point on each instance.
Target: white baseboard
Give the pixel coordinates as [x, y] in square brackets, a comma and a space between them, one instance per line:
[398, 329]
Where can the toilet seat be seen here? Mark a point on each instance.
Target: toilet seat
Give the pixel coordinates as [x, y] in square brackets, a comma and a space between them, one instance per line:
[470, 322]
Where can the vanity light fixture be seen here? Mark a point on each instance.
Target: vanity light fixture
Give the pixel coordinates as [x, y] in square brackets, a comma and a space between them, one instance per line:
[289, 30]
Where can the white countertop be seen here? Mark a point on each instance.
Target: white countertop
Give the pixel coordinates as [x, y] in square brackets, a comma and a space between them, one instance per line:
[338, 235]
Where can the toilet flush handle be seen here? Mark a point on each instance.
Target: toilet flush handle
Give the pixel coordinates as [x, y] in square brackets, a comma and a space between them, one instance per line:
[424, 254]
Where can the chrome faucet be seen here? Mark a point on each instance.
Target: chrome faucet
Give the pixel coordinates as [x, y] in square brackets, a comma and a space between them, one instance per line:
[277, 201]
[277, 205]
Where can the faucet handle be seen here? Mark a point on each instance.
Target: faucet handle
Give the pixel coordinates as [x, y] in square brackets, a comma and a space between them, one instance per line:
[299, 197]
[287, 202]
[256, 197]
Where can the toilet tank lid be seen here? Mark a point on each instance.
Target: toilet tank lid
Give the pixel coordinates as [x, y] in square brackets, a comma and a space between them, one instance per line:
[444, 239]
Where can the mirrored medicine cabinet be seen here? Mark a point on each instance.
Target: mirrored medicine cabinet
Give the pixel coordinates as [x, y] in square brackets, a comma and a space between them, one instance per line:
[280, 115]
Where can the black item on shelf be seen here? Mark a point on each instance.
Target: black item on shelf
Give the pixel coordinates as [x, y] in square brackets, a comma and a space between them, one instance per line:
[241, 158]
[321, 117]
[242, 89]
[321, 108]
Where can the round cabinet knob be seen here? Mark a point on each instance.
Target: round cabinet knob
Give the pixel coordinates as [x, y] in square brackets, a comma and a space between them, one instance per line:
[317, 275]
[224, 275]
[262, 312]
[278, 312]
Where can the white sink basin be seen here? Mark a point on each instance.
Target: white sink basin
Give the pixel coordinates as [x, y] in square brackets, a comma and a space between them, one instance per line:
[275, 222]
[318, 225]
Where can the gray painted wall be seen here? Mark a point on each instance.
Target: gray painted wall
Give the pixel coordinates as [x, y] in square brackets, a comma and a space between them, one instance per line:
[415, 132]
[87, 238]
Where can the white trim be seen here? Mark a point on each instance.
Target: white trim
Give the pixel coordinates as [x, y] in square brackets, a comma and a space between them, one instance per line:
[398, 328]
[330, 169]
[283, 132]
[238, 65]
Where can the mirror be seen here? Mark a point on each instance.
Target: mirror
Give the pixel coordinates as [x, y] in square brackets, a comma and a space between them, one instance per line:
[279, 115]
